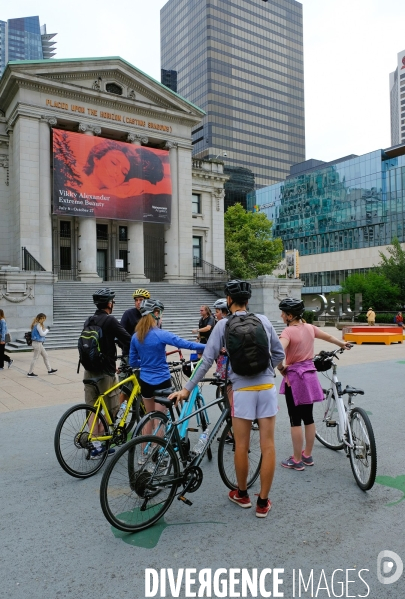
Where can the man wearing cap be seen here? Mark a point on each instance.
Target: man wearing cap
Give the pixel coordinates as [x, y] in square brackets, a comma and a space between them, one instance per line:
[371, 317]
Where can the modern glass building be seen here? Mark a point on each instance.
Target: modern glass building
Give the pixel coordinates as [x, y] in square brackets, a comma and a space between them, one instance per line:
[339, 214]
[24, 39]
[397, 101]
[242, 63]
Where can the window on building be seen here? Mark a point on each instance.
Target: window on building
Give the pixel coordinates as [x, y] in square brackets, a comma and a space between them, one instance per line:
[196, 203]
[65, 230]
[113, 88]
[102, 232]
[123, 233]
[197, 251]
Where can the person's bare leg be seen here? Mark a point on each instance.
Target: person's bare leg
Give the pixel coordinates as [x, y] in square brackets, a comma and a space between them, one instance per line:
[309, 439]
[297, 441]
[241, 433]
[151, 406]
[266, 429]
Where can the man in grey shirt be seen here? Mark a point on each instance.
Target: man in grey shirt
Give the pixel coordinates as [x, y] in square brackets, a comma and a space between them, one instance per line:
[254, 398]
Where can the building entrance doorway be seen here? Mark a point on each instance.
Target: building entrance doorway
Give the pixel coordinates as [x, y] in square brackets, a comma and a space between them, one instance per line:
[102, 264]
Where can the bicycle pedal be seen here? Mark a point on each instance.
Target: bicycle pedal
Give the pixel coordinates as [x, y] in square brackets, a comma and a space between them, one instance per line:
[193, 430]
[184, 500]
[331, 423]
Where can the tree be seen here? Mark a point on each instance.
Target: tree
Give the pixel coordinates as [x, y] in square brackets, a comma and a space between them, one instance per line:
[378, 292]
[250, 249]
[392, 267]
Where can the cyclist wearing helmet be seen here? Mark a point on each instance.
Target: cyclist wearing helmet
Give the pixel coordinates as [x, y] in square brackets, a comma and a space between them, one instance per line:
[254, 397]
[148, 352]
[221, 309]
[300, 385]
[131, 317]
[104, 300]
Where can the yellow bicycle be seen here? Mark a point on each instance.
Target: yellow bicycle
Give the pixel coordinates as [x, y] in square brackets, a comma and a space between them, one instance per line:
[75, 433]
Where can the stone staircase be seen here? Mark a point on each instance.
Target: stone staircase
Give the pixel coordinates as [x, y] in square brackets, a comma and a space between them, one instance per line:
[73, 304]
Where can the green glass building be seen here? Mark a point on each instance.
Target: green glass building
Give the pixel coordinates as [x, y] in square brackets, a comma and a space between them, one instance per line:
[339, 214]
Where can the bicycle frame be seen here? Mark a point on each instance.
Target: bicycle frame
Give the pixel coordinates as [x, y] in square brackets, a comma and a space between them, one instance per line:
[344, 428]
[100, 404]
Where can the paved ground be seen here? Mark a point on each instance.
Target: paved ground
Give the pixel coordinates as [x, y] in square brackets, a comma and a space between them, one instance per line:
[56, 542]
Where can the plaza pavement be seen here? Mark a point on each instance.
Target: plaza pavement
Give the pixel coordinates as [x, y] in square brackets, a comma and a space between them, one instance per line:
[56, 543]
[18, 392]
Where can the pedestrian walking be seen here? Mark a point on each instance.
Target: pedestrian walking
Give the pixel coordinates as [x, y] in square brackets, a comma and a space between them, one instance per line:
[39, 333]
[371, 317]
[3, 340]
[300, 384]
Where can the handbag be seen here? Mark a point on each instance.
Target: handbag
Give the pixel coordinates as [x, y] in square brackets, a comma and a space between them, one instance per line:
[8, 338]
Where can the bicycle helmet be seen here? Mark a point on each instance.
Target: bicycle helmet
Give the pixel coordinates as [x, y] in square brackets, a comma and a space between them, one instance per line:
[221, 304]
[103, 296]
[148, 306]
[293, 306]
[141, 293]
[238, 290]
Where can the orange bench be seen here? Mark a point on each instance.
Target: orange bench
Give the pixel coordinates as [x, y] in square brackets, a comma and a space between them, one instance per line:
[374, 336]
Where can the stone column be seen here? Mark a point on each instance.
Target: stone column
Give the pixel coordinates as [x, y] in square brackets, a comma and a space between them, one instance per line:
[45, 208]
[87, 267]
[136, 258]
[217, 228]
[178, 235]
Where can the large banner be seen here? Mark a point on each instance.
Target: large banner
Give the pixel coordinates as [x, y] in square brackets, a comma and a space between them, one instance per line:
[105, 178]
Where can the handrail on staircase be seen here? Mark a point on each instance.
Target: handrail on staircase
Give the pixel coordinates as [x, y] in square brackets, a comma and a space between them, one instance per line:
[209, 276]
[29, 262]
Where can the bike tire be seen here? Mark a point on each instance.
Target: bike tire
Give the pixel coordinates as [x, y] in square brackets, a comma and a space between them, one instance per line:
[326, 411]
[363, 457]
[226, 464]
[126, 485]
[199, 403]
[75, 459]
[159, 428]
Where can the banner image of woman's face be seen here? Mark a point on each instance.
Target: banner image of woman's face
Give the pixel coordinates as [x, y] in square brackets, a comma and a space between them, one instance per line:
[110, 170]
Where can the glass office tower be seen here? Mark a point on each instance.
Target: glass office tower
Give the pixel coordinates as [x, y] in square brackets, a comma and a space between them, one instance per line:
[355, 203]
[24, 39]
[241, 62]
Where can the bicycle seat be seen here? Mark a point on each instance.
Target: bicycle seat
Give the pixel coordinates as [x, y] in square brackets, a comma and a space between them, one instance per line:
[352, 391]
[161, 396]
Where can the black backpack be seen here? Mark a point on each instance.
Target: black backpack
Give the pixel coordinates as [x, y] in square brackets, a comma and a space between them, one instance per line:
[89, 345]
[247, 344]
[28, 337]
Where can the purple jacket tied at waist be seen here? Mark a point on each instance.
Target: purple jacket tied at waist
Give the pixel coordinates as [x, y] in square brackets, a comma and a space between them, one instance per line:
[303, 380]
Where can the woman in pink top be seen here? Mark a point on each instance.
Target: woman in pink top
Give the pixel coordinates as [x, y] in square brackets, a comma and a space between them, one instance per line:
[300, 384]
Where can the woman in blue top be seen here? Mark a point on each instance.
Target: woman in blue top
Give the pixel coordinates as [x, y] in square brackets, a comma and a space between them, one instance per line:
[3, 333]
[148, 352]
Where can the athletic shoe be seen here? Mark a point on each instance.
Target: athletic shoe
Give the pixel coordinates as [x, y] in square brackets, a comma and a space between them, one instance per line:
[98, 452]
[143, 458]
[291, 463]
[31, 374]
[308, 461]
[261, 512]
[52, 371]
[242, 501]
[9, 364]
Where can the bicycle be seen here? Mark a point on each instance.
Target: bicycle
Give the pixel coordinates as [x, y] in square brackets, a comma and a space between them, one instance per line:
[73, 441]
[143, 478]
[340, 426]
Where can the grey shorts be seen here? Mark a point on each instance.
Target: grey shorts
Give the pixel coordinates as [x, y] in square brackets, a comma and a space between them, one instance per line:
[251, 405]
[90, 394]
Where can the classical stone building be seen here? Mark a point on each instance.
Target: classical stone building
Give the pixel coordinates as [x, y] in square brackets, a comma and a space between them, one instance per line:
[110, 99]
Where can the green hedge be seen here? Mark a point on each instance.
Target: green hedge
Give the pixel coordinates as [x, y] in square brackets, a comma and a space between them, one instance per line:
[382, 318]
[308, 316]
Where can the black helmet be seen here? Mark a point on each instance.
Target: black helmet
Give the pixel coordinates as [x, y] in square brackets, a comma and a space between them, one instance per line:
[293, 306]
[103, 296]
[148, 306]
[238, 290]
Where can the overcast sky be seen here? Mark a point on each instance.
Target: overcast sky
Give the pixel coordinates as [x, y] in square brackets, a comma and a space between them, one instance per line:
[350, 47]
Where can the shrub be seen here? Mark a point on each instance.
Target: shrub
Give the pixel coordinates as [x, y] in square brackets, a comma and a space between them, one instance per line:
[308, 316]
[381, 318]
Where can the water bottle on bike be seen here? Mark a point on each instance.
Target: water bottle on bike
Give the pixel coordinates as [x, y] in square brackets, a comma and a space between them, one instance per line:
[201, 443]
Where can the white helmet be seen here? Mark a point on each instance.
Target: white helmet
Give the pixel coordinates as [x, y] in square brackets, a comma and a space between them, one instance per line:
[221, 304]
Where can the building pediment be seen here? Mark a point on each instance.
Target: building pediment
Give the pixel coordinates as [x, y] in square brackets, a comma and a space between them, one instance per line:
[107, 81]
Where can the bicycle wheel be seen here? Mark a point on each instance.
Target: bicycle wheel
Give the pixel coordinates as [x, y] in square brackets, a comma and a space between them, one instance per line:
[363, 457]
[154, 423]
[326, 418]
[139, 485]
[199, 403]
[226, 453]
[72, 445]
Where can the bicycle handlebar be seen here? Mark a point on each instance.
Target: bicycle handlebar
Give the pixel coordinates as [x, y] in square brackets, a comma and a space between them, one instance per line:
[332, 354]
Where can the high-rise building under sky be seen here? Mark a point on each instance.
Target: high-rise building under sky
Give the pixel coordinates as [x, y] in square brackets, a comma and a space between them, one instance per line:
[397, 101]
[242, 63]
[24, 39]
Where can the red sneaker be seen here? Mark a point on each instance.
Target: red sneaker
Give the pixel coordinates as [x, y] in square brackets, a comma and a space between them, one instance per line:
[261, 512]
[242, 501]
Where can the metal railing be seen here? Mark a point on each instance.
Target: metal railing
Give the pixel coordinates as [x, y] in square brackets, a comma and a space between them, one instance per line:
[209, 276]
[28, 261]
[64, 274]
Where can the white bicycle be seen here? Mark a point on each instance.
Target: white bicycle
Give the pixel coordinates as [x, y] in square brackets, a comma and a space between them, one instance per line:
[341, 426]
